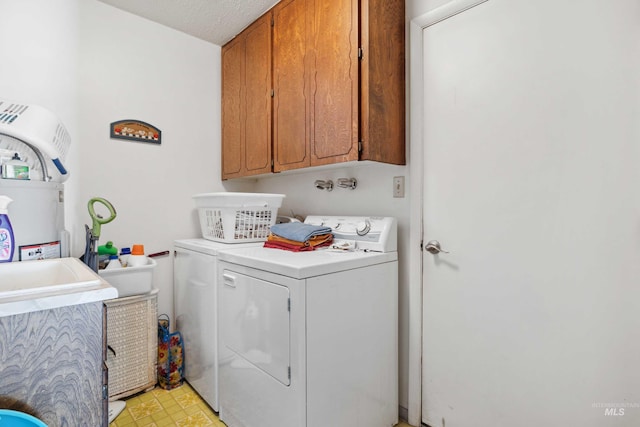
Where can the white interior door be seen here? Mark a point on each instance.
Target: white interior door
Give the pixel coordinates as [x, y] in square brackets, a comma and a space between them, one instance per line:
[531, 158]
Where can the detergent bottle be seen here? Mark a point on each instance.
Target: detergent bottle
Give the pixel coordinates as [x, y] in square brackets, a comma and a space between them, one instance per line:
[124, 256]
[114, 262]
[137, 257]
[6, 232]
[107, 249]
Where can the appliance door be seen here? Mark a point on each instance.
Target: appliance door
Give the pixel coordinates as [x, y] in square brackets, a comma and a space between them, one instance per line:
[256, 323]
[195, 306]
[261, 349]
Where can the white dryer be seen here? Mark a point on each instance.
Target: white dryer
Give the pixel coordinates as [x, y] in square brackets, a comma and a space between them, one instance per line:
[195, 309]
[311, 338]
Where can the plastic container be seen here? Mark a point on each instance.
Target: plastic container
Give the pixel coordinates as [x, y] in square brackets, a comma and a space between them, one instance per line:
[15, 168]
[131, 280]
[124, 256]
[9, 418]
[237, 217]
[137, 257]
[114, 262]
[7, 242]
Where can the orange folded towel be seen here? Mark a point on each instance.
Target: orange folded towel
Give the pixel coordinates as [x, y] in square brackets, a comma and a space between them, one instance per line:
[274, 241]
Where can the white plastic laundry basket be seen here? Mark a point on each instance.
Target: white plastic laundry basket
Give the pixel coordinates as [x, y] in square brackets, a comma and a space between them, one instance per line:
[237, 217]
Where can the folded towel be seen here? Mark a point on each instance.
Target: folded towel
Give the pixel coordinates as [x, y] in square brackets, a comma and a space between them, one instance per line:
[287, 246]
[313, 240]
[298, 231]
[278, 242]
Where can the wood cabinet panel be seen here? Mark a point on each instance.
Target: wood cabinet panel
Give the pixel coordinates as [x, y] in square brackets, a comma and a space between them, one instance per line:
[246, 102]
[258, 97]
[291, 104]
[333, 82]
[382, 125]
[232, 107]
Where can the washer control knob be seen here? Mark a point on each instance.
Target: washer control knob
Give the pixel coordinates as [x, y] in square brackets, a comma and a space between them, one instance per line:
[331, 224]
[363, 227]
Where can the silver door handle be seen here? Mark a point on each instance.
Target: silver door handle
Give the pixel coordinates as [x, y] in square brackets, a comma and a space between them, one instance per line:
[433, 247]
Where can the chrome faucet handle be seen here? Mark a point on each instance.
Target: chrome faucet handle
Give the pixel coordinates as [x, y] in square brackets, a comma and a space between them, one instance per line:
[350, 183]
[324, 185]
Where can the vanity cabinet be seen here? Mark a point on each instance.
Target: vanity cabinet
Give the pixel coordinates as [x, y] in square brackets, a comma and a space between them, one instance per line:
[338, 83]
[246, 102]
[52, 365]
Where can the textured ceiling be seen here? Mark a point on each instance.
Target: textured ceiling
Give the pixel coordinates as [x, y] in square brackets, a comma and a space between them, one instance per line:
[216, 21]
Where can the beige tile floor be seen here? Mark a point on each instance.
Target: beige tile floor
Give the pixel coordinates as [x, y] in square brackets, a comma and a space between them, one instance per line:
[178, 407]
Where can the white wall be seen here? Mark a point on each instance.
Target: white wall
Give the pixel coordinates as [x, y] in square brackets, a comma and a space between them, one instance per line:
[131, 68]
[38, 46]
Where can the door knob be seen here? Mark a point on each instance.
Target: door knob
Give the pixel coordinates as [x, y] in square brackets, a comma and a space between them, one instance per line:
[433, 247]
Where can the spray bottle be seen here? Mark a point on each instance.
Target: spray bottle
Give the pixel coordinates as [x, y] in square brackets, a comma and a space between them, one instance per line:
[6, 232]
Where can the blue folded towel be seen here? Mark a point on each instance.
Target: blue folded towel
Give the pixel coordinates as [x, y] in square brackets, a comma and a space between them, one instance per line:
[298, 231]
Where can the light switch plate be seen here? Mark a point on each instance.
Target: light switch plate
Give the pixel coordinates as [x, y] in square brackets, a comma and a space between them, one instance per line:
[398, 186]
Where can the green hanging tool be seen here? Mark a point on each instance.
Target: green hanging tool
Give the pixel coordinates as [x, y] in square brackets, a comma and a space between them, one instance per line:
[93, 233]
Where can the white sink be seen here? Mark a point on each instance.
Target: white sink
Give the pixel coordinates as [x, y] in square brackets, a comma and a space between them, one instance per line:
[37, 285]
[28, 277]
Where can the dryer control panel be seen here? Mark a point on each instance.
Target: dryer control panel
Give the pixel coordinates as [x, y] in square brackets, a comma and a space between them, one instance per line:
[369, 233]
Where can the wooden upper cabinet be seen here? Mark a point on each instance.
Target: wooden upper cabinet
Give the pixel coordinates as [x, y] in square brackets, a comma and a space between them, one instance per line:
[338, 68]
[338, 87]
[315, 71]
[246, 102]
[291, 92]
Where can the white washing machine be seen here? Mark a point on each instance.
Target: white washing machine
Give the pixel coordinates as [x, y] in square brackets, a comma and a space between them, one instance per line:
[311, 338]
[195, 308]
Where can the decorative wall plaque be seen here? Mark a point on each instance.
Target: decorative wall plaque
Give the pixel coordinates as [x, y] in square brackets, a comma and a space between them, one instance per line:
[135, 130]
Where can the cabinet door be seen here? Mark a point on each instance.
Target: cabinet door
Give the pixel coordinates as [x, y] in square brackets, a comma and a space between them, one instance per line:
[291, 104]
[246, 101]
[382, 79]
[333, 81]
[232, 108]
[257, 83]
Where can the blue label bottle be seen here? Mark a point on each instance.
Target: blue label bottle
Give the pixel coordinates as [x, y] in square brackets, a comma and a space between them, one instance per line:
[6, 232]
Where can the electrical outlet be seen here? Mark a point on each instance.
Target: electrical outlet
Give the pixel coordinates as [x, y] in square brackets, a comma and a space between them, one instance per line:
[398, 186]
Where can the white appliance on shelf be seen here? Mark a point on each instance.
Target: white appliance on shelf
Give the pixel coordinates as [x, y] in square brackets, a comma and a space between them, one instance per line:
[37, 210]
[37, 218]
[195, 308]
[310, 339]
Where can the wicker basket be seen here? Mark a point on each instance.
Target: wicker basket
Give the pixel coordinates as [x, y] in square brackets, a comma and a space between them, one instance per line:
[237, 217]
[132, 340]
